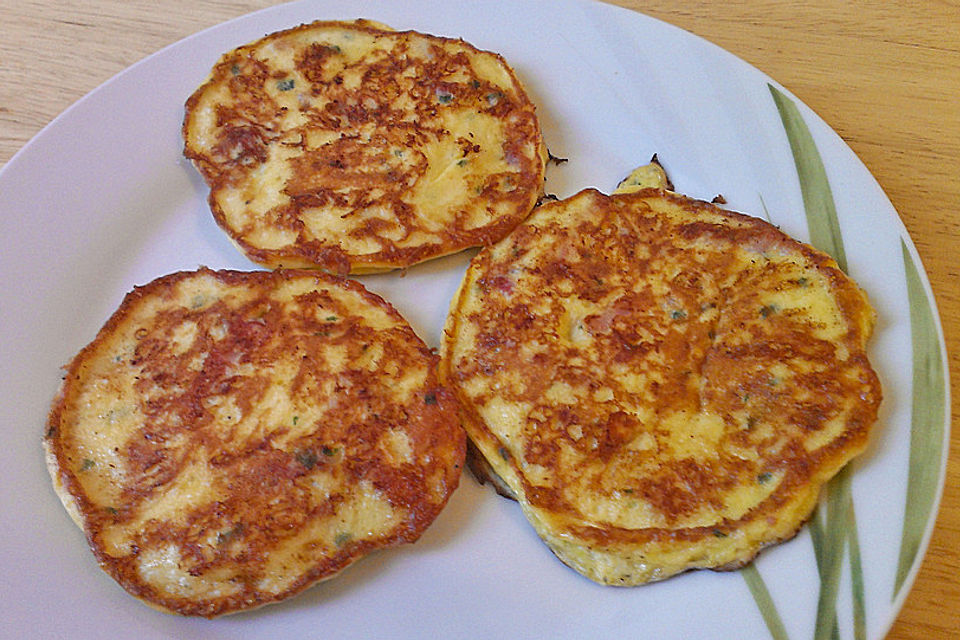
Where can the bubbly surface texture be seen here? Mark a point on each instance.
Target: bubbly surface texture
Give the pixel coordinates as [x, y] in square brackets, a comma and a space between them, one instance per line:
[230, 438]
[353, 148]
[660, 383]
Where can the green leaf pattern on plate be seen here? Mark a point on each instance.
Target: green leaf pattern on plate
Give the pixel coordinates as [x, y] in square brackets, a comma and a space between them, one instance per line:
[764, 601]
[833, 527]
[928, 417]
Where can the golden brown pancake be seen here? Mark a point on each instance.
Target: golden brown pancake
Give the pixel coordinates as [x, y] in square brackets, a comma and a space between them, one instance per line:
[350, 147]
[230, 438]
[661, 384]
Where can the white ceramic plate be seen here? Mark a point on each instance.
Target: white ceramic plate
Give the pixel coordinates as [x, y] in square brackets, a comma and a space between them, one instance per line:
[102, 200]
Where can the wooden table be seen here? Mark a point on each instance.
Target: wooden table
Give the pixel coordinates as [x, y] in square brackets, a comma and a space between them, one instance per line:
[884, 75]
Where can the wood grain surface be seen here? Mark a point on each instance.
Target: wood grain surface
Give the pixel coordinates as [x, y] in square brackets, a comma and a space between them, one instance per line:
[884, 75]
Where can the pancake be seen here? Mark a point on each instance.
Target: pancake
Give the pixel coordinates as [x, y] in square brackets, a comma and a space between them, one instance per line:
[662, 384]
[230, 438]
[353, 148]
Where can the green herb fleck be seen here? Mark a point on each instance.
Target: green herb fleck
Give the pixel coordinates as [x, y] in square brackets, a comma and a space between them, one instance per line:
[504, 453]
[803, 282]
[329, 451]
[343, 538]
[306, 457]
[444, 97]
[462, 162]
[235, 69]
[331, 318]
[678, 314]
[764, 477]
[719, 534]
[296, 419]
[226, 536]
[768, 309]
[286, 84]
[87, 464]
[111, 510]
[430, 398]
[493, 98]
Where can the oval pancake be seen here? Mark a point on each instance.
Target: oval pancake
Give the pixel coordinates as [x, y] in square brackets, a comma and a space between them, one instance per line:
[662, 384]
[354, 148]
[230, 438]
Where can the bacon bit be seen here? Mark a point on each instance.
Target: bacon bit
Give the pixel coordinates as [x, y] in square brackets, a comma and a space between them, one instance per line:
[502, 284]
[603, 322]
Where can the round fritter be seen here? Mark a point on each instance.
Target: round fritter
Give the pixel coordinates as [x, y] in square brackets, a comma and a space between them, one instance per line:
[230, 438]
[354, 148]
[660, 383]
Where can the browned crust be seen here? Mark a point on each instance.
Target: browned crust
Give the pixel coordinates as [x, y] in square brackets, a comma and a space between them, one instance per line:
[800, 470]
[265, 499]
[318, 179]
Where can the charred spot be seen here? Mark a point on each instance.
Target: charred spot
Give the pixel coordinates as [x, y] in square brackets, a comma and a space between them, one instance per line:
[242, 145]
[547, 197]
[468, 146]
[313, 62]
[519, 316]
